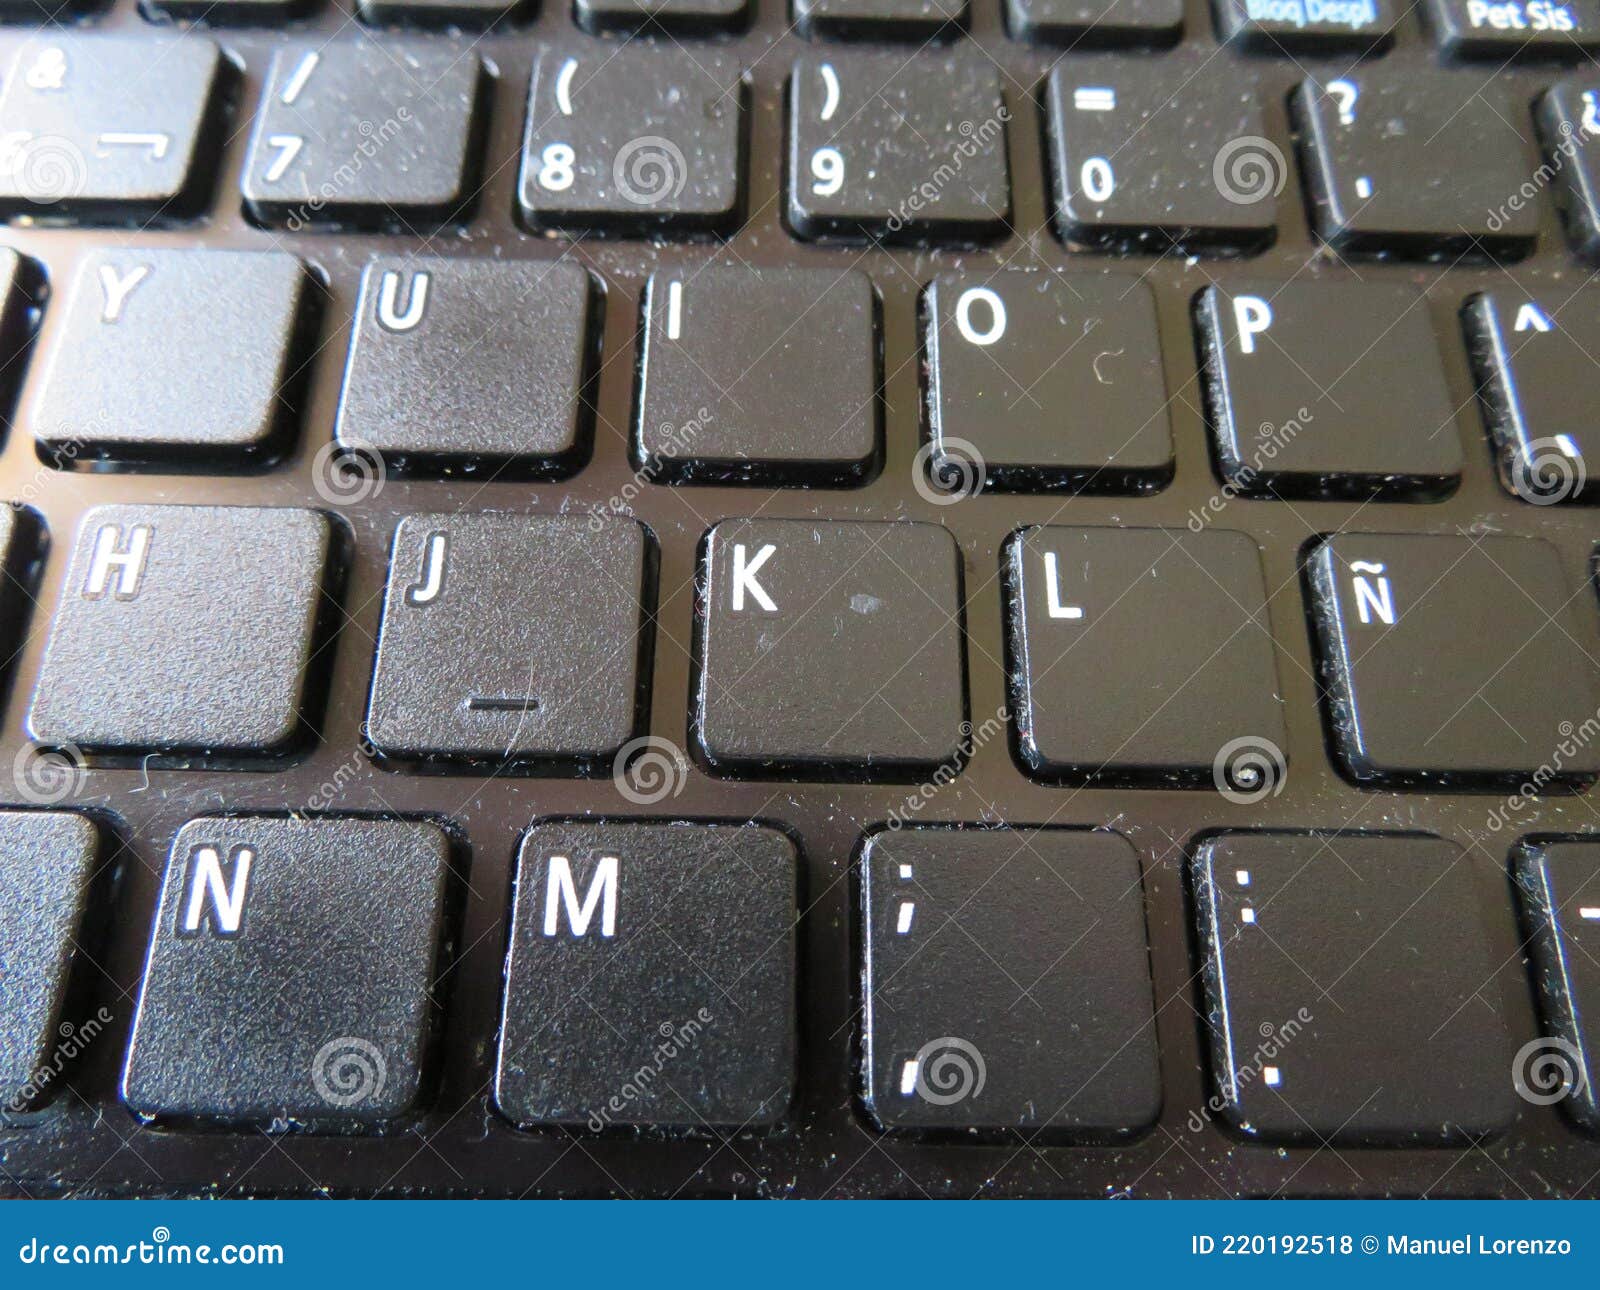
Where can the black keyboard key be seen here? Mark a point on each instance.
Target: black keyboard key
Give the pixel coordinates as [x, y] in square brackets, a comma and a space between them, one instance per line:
[650, 16]
[176, 355]
[291, 974]
[1006, 983]
[1559, 881]
[638, 139]
[21, 548]
[87, 131]
[1309, 26]
[557, 611]
[186, 630]
[661, 946]
[1568, 119]
[1389, 607]
[1142, 656]
[1351, 986]
[1424, 164]
[1327, 389]
[1091, 24]
[1537, 386]
[48, 865]
[232, 12]
[21, 289]
[406, 107]
[879, 19]
[829, 651]
[470, 14]
[1047, 381]
[472, 364]
[1501, 30]
[1160, 155]
[850, 171]
[724, 346]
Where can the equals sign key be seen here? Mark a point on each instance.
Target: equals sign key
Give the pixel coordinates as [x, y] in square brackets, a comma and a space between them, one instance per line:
[1089, 98]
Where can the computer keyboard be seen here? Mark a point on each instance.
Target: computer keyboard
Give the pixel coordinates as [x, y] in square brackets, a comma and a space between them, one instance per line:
[875, 598]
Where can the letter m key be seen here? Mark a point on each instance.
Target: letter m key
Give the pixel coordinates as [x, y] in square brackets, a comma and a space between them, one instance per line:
[561, 897]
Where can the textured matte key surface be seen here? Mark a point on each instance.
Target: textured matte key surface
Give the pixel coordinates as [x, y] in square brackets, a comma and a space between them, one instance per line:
[292, 972]
[1559, 882]
[1314, 26]
[1006, 982]
[458, 362]
[1087, 24]
[1352, 989]
[1537, 386]
[899, 147]
[1425, 164]
[100, 126]
[1050, 381]
[512, 637]
[21, 283]
[1141, 655]
[218, 12]
[1389, 607]
[829, 650]
[878, 19]
[1504, 29]
[1568, 119]
[47, 868]
[186, 629]
[661, 15]
[759, 375]
[1158, 155]
[438, 13]
[640, 138]
[365, 132]
[650, 978]
[175, 355]
[1327, 389]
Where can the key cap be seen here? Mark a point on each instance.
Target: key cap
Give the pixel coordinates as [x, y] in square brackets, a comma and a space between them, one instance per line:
[850, 173]
[1387, 607]
[829, 650]
[91, 130]
[1312, 26]
[1006, 983]
[196, 356]
[1506, 29]
[21, 547]
[292, 973]
[21, 287]
[1305, 938]
[638, 139]
[1536, 386]
[660, 947]
[48, 868]
[879, 19]
[61, 12]
[661, 15]
[1568, 118]
[558, 611]
[1559, 884]
[469, 364]
[185, 630]
[1424, 165]
[471, 14]
[724, 346]
[1090, 24]
[1160, 155]
[1049, 381]
[218, 12]
[366, 133]
[1142, 656]
[1326, 389]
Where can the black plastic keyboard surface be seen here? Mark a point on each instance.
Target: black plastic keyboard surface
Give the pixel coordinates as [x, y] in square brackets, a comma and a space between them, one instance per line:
[470, 1118]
